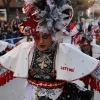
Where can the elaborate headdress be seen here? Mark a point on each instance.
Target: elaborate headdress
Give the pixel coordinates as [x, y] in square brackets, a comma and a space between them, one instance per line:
[47, 16]
[84, 37]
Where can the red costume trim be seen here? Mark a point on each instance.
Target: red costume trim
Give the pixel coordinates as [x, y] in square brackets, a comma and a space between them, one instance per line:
[93, 82]
[6, 77]
[48, 85]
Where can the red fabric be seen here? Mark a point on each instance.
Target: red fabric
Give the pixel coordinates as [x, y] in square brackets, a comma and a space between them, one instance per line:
[93, 82]
[32, 22]
[8, 49]
[6, 77]
[29, 9]
[44, 84]
[77, 39]
[97, 33]
[72, 25]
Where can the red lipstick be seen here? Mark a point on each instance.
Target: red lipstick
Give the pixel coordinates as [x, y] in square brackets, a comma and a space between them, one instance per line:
[42, 46]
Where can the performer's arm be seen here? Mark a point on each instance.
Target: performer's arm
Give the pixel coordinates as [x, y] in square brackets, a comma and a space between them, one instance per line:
[96, 73]
[93, 79]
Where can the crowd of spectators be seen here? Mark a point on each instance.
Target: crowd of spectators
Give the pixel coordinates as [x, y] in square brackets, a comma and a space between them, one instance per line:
[9, 31]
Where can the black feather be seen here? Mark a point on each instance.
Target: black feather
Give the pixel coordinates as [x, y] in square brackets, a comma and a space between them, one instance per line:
[99, 23]
[66, 11]
[66, 18]
[59, 2]
[40, 4]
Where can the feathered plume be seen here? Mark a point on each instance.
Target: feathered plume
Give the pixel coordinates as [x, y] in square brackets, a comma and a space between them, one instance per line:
[51, 15]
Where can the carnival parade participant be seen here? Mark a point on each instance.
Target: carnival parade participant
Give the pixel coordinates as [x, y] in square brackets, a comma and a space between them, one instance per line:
[87, 41]
[4, 73]
[97, 41]
[84, 40]
[77, 29]
[97, 34]
[48, 65]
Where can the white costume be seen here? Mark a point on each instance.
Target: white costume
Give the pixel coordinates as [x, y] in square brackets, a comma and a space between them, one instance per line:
[59, 64]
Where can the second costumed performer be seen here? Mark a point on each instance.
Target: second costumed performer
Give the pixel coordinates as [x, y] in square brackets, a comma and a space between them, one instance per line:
[49, 65]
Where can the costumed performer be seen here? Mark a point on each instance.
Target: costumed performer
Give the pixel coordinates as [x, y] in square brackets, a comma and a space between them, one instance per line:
[48, 65]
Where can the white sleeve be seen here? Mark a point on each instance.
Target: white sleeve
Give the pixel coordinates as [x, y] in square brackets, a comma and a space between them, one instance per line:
[3, 45]
[96, 73]
[10, 46]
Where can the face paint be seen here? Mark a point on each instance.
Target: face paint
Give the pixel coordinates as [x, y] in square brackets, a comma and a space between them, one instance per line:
[38, 36]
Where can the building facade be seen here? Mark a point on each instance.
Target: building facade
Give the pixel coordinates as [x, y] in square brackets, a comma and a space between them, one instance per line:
[15, 10]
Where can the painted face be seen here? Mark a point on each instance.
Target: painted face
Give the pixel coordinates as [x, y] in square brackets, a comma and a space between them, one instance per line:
[43, 41]
[85, 46]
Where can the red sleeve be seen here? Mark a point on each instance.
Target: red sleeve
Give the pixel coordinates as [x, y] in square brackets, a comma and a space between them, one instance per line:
[92, 81]
[5, 77]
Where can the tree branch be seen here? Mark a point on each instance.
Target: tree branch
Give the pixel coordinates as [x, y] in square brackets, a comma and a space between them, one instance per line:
[8, 1]
[4, 2]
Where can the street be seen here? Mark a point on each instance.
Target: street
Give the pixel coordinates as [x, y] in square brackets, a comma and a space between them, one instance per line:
[14, 90]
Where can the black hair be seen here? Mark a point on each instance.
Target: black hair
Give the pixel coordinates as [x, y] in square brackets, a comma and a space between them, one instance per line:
[40, 4]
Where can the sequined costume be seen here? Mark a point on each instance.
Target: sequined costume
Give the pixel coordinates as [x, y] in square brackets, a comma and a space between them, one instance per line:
[42, 76]
[85, 38]
[50, 72]
[40, 71]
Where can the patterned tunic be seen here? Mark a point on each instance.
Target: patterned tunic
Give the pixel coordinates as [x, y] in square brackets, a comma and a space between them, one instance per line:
[42, 71]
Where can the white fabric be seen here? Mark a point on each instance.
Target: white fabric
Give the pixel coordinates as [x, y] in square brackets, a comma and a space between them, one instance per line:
[25, 39]
[17, 61]
[72, 64]
[28, 92]
[74, 31]
[3, 45]
[31, 89]
[67, 39]
[95, 50]
[10, 46]
[80, 83]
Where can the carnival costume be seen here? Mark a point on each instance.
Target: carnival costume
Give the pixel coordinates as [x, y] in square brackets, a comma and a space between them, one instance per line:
[5, 75]
[49, 73]
[97, 40]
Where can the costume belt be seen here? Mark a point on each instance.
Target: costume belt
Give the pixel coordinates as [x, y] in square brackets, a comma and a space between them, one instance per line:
[48, 85]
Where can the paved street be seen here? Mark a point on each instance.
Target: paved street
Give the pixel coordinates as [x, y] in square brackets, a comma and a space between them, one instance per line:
[14, 90]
